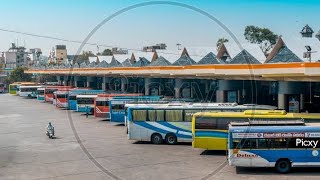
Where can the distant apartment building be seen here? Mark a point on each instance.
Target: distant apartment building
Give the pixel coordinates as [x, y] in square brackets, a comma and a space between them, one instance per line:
[154, 47]
[15, 56]
[34, 56]
[61, 54]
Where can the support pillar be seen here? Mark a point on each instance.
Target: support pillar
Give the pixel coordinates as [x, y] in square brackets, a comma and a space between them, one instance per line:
[89, 79]
[104, 83]
[301, 101]
[220, 96]
[59, 80]
[281, 101]
[147, 82]
[177, 88]
[124, 82]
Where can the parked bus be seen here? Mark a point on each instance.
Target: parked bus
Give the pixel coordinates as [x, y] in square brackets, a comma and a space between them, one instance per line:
[48, 92]
[172, 122]
[117, 105]
[101, 103]
[72, 97]
[14, 87]
[2, 88]
[60, 98]
[210, 132]
[85, 103]
[28, 91]
[40, 94]
[277, 146]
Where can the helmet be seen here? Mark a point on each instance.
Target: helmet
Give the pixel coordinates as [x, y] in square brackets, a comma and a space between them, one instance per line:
[49, 123]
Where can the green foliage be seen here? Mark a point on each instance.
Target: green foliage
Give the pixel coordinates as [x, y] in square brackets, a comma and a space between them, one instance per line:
[107, 52]
[18, 75]
[84, 57]
[220, 42]
[264, 37]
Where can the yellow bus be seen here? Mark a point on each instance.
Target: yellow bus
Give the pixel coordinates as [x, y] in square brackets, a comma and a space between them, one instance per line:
[14, 87]
[209, 129]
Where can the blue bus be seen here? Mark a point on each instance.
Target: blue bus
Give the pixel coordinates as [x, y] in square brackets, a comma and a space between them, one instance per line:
[72, 98]
[117, 105]
[278, 146]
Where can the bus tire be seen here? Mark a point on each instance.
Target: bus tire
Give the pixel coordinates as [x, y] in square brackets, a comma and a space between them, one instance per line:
[171, 139]
[156, 138]
[283, 166]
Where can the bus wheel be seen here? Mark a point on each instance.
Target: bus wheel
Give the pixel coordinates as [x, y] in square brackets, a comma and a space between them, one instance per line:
[283, 166]
[156, 139]
[171, 139]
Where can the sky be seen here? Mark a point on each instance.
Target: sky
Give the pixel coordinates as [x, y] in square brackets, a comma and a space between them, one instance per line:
[148, 25]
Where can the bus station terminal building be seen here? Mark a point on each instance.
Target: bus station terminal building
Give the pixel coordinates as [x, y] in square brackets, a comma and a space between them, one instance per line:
[288, 77]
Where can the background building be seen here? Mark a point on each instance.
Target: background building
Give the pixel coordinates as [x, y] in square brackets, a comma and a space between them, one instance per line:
[61, 54]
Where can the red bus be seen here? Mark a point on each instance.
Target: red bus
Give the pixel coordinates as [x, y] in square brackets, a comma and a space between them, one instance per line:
[48, 92]
[101, 104]
[60, 97]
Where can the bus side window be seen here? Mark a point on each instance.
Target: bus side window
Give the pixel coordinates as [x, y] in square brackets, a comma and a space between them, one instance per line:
[188, 114]
[139, 115]
[206, 123]
[174, 115]
[156, 115]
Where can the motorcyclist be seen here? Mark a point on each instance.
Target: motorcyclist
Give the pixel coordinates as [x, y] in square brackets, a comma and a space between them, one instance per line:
[50, 127]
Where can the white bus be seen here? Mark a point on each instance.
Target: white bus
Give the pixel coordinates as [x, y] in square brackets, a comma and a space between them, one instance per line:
[85, 103]
[28, 91]
[172, 122]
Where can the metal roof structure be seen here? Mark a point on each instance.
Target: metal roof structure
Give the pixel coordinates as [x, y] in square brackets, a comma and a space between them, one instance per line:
[160, 61]
[115, 63]
[210, 59]
[244, 57]
[142, 62]
[127, 63]
[184, 60]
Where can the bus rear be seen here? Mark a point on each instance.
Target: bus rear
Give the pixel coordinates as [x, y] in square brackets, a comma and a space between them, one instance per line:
[85, 103]
[40, 94]
[61, 98]
[72, 97]
[101, 104]
[280, 146]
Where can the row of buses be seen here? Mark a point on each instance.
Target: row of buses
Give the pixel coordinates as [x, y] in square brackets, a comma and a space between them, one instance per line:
[253, 135]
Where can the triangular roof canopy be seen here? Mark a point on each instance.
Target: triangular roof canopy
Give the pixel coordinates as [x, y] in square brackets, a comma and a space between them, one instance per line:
[133, 59]
[307, 31]
[154, 57]
[210, 58]
[114, 63]
[127, 63]
[223, 54]
[142, 62]
[244, 57]
[103, 64]
[184, 59]
[281, 53]
[161, 61]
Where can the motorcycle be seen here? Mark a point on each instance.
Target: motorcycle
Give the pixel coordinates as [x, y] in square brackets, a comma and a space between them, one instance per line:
[50, 133]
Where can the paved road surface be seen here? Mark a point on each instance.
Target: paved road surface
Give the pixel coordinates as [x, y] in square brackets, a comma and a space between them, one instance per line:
[26, 153]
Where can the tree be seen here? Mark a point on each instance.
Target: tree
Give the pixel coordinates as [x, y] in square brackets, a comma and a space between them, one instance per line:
[84, 57]
[107, 52]
[18, 75]
[220, 42]
[264, 37]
